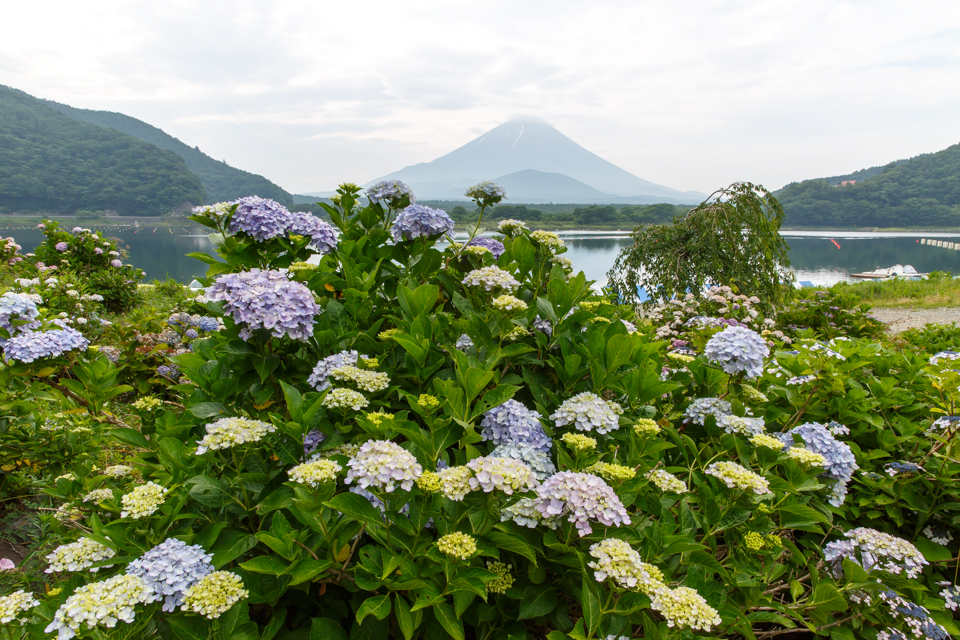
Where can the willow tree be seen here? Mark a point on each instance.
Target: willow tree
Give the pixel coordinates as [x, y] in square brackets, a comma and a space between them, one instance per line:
[732, 238]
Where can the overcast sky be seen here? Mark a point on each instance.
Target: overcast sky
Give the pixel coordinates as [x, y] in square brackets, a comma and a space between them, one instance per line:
[688, 94]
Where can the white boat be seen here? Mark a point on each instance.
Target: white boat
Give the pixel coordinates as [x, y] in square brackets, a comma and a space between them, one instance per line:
[896, 271]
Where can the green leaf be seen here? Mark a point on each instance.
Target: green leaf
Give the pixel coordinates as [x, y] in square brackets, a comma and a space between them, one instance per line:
[538, 600]
[306, 570]
[932, 551]
[209, 410]
[590, 602]
[131, 437]
[266, 366]
[377, 606]
[827, 597]
[279, 498]
[356, 507]
[231, 545]
[208, 491]
[326, 629]
[404, 618]
[274, 625]
[268, 565]
[512, 543]
[448, 620]
[193, 628]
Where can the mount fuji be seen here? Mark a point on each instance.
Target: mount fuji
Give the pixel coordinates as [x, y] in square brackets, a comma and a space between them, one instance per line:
[535, 163]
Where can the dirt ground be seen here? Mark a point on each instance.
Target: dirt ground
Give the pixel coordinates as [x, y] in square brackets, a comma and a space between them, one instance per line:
[899, 319]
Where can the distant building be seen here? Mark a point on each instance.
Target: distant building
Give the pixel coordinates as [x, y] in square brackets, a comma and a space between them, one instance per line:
[847, 183]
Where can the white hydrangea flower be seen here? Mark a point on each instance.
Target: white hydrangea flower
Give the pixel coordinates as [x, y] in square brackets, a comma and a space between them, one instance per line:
[383, 465]
[227, 432]
[617, 560]
[806, 457]
[118, 471]
[13, 606]
[737, 477]
[764, 440]
[142, 501]
[588, 412]
[666, 481]
[369, 381]
[314, 473]
[455, 482]
[877, 550]
[511, 225]
[506, 474]
[490, 278]
[79, 555]
[684, 607]
[345, 399]
[214, 594]
[98, 495]
[105, 603]
[506, 302]
[551, 240]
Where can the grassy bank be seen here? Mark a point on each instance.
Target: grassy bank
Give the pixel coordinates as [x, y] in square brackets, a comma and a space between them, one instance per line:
[940, 290]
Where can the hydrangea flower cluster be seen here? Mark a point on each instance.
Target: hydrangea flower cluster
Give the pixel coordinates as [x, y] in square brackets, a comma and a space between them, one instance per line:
[763, 440]
[505, 474]
[260, 218]
[951, 595]
[383, 465]
[229, 432]
[940, 535]
[700, 408]
[214, 594]
[267, 300]
[323, 237]
[79, 555]
[486, 192]
[457, 545]
[429, 482]
[666, 481]
[916, 618]
[14, 306]
[13, 606]
[741, 425]
[611, 471]
[464, 343]
[510, 224]
[944, 355]
[389, 191]
[526, 514]
[369, 381]
[493, 246]
[509, 303]
[737, 349]
[617, 560]
[345, 399]
[840, 461]
[538, 460]
[315, 472]
[418, 221]
[684, 607]
[99, 495]
[106, 603]
[455, 482]
[504, 579]
[34, 345]
[118, 471]
[547, 239]
[588, 412]
[646, 428]
[321, 372]
[142, 501]
[195, 321]
[580, 497]
[806, 457]
[737, 477]
[798, 380]
[877, 550]
[491, 278]
[170, 568]
[579, 442]
[513, 423]
[896, 468]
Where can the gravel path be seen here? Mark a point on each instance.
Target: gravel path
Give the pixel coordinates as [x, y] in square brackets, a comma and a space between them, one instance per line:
[899, 319]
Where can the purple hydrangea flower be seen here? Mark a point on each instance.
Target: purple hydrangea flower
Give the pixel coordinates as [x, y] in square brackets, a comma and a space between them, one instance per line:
[580, 497]
[418, 221]
[383, 465]
[14, 306]
[116, 263]
[28, 347]
[324, 236]
[486, 192]
[318, 379]
[312, 440]
[268, 300]
[61, 246]
[391, 191]
[737, 350]
[170, 568]
[494, 246]
[260, 218]
[191, 334]
[543, 326]
[537, 459]
[841, 463]
[168, 371]
[98, 251]
[513, 423]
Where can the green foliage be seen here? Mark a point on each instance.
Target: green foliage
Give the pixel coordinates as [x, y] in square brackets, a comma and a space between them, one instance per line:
[829, 314]
[221, 182]
[49, 162]
[732, 239]
[940, 289]
[933, 338]
[921, 192]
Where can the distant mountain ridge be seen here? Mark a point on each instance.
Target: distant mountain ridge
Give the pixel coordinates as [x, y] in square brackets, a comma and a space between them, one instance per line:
[923, 191]
[220, 180]
[52, 163]
[525, 153]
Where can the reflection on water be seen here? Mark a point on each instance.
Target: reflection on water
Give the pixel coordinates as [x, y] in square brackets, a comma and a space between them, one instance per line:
[812, 255]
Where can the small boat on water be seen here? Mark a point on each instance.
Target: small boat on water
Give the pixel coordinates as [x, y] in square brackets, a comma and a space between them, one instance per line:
[896, 271]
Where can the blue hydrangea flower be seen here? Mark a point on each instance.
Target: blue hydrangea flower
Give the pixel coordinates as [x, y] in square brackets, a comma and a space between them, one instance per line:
[495, 246]
[700, 408]
[14, 306]
[324, 236]
[537, 459]
[170, 568]
[390, 191]
[312, 440]
[318, 379]
[580, 497]
[268, 300]
[513, 423]
[486, 192]
[737, 349]
[418, 221]
[464, 342]
[31, 346]
[841, 463]
[260, 218]
[543, 326]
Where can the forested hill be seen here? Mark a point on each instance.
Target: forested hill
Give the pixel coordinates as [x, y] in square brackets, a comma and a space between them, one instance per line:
[221, 181]
[52, 163]
[920, 192]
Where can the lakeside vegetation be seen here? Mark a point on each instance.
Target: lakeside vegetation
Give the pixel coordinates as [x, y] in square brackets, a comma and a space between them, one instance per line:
[939, 290]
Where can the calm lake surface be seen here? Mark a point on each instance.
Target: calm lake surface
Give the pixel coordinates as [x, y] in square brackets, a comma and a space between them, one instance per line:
[813, 255]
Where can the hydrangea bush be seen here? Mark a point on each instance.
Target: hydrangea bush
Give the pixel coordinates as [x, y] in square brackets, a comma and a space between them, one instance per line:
[375, 448]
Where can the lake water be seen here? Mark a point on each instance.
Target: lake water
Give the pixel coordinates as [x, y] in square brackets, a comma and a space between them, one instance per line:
[813, 255]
